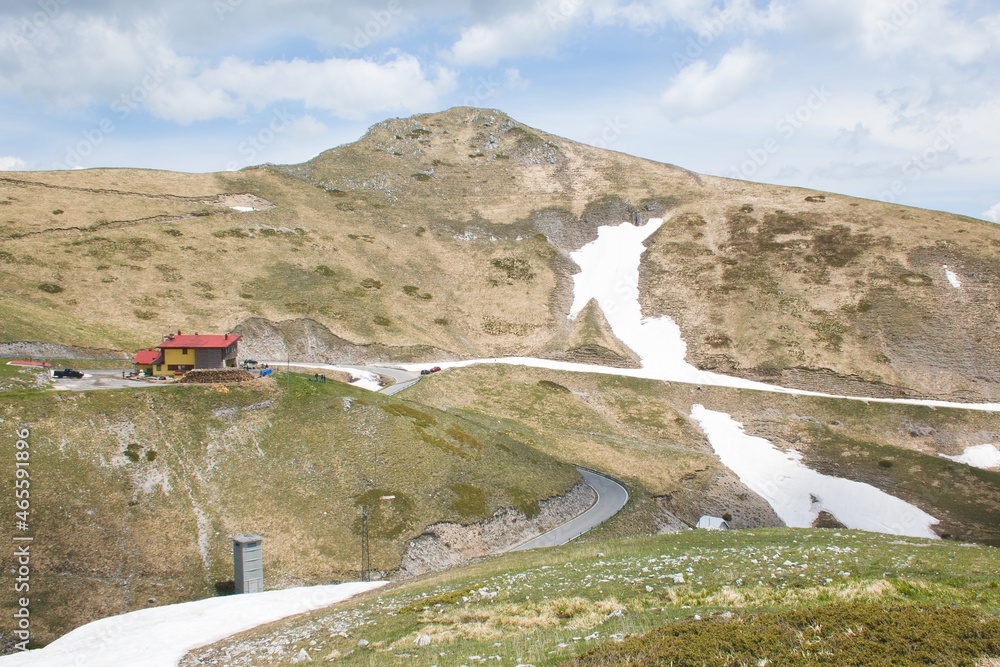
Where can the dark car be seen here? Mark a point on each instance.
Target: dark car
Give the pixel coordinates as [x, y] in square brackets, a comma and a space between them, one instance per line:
[67, 373]
[425, 372]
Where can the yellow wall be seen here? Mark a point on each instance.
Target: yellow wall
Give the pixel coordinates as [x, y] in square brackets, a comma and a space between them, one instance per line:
[172, 356]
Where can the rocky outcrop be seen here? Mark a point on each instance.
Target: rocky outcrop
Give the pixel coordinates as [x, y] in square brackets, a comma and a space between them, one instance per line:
[55, 351]
[307, 340]
[446, 545]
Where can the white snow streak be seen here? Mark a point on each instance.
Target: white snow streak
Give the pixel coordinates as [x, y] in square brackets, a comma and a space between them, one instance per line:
[359, 378]
[978, 456]
[161, 636]
[798, 493]
[952, 277]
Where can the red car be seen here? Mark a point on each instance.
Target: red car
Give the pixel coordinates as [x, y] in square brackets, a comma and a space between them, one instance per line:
[435, 369]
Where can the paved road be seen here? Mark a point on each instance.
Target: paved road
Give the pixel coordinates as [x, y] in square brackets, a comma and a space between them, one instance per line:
[102, 379]
[611, 497]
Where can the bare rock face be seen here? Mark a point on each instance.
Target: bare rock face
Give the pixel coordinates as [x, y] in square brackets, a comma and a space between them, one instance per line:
[445, 545]
[716, 492]
[304, 339]
[52, 350]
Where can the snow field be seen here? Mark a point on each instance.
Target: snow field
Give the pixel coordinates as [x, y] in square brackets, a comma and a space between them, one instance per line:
[797, 493]
[161, 636]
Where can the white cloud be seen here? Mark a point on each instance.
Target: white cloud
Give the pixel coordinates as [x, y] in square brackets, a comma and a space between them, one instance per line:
[95, 61]
[74, 63]
[853, 140]
[530, 32]
[307, 127]
[347, 88]
[697, 89]
[992, 214]
[895, 28]
[705, 17]
[11, 163]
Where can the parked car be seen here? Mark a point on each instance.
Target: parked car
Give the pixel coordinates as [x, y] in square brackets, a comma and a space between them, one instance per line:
[424, 371]
[67, 373]
[435, 369]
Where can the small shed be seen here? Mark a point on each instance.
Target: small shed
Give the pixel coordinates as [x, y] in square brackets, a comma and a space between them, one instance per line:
[713, 523]
[248, 563]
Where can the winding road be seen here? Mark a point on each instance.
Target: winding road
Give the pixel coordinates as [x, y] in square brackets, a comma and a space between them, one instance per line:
[611, 497]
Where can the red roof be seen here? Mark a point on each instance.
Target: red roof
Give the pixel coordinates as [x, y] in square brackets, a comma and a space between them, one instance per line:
[200, 342]
[147, 356]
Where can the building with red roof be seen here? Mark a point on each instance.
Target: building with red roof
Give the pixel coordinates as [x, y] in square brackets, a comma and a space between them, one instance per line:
[179, 353]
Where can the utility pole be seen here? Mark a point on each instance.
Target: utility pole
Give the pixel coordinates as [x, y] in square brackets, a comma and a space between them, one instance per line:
[366, 556]
[366, 561]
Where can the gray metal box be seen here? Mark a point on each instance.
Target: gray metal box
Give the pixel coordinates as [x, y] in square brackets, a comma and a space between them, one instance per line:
[248, 563]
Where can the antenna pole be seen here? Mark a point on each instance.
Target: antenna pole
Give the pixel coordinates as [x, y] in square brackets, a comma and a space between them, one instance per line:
[366, 563]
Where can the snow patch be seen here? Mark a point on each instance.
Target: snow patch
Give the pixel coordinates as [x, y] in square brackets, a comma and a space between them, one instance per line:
[952, 277]
[365, 380]
[609, 274]
[978, 456]
[161, 636]
[243, 209]
[797, 493]
[359, 377]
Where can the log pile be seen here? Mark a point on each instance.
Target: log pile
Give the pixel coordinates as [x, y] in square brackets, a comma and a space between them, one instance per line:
[217, 376]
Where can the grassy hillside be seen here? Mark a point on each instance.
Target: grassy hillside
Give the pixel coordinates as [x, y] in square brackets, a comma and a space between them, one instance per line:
[135, 492]
[641, 431]
[449, 235]
[777, 595]
[780, 285]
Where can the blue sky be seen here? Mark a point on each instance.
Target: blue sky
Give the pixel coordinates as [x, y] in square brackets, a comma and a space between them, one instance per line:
[896, 100]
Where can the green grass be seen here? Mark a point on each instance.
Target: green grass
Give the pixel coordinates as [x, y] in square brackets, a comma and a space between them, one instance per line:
[948, 488]
[547, 606]
[854, 633]
[195, 464]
